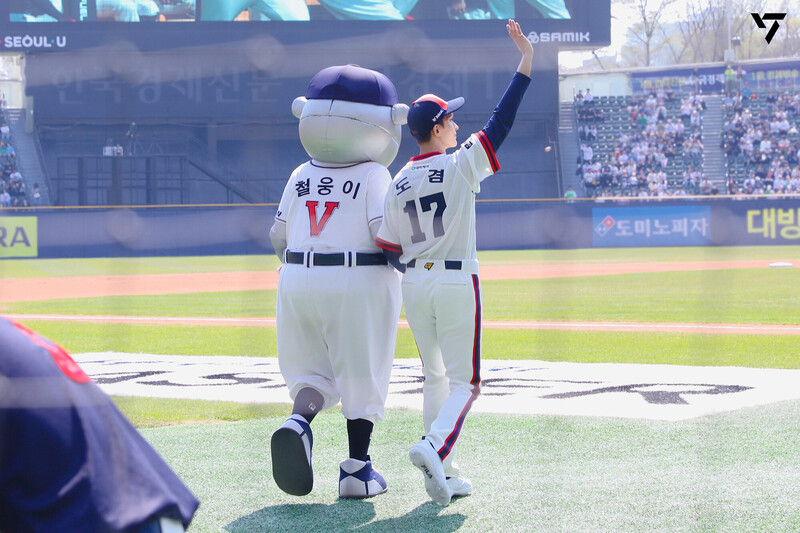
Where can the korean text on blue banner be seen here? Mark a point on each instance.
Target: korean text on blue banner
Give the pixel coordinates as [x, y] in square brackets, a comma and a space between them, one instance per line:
[651, 226]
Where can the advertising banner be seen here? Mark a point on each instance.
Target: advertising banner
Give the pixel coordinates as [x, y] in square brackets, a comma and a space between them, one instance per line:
[705, 79]
[772, 76]
[758, 77]
[501, 225]
[773, 224]
[19, 237]
[651, 226]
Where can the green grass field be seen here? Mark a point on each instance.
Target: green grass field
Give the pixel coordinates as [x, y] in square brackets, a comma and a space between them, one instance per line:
[735, 472]
[732, 472]
[747, 296]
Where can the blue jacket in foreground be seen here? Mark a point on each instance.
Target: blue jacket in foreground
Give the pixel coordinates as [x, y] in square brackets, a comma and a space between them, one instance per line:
[69, 459]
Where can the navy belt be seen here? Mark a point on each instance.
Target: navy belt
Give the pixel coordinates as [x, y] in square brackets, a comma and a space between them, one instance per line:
[159, 525]
[448, 265]
[335, 259]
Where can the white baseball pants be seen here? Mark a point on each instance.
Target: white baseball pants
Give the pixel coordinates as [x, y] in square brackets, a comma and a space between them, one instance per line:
[443, 308]
[337, 328]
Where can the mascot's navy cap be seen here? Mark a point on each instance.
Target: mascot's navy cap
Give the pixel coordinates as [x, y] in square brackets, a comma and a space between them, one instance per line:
[352, 83]
[428, 110]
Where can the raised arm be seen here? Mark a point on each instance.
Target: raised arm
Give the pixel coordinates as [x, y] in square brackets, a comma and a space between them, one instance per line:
[523, 45]
[503, 117]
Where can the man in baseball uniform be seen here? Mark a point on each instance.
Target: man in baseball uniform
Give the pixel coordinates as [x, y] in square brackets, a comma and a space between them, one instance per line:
[504, 9]
[69, 460]
[338, 299]
[549, 9]
[428, 231]
[369, 9]
[266, 9]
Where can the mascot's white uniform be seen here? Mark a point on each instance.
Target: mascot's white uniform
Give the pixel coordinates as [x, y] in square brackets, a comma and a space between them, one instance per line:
[338, 300]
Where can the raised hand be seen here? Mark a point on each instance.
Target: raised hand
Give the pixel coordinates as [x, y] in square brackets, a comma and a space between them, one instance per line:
[523, 45]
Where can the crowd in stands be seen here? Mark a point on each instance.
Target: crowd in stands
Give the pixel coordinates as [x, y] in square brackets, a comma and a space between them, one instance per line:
[662, 135]
[12, 187]
[659, 150]
[761, 141]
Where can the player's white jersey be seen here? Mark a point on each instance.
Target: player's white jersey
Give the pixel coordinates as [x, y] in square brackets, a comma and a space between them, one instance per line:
[430, 206]
[329, 208]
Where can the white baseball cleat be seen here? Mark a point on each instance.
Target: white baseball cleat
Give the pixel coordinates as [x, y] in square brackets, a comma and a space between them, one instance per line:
[291, 456]
[357, 479]
[460, 486]
[424, 457]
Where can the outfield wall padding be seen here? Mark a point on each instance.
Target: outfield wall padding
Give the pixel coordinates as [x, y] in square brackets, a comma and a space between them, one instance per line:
[229, 230]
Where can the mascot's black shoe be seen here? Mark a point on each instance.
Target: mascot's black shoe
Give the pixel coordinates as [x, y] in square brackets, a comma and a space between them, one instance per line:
[291, 456]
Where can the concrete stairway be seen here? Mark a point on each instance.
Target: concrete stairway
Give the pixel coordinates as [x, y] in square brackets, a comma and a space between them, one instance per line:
[28, 160]
[714, 166]
[568, 147]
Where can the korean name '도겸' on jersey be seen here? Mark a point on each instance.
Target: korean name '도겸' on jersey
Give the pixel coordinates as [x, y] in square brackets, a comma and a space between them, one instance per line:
[430, 206]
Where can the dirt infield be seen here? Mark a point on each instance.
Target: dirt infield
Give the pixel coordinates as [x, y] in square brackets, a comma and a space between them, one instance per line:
[730, 329]
[33, 289]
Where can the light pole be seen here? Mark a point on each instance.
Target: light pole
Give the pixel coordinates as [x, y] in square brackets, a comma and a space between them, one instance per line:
[729, 55]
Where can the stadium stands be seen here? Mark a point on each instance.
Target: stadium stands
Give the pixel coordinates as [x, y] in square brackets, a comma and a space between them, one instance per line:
[641, 145]
[761, 142]
[13, 190]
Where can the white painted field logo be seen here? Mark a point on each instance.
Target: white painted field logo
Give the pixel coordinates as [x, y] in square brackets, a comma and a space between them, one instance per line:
[559, 37]
[657, 392]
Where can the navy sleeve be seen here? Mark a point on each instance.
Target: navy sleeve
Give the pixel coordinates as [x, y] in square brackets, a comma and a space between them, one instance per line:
[394, 259]
[503, 117]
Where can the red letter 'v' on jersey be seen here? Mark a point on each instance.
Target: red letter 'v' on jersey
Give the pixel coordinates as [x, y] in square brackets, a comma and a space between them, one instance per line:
[318, 226]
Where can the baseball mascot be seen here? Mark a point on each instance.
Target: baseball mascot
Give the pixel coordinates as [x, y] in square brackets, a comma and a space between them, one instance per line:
[338, 300]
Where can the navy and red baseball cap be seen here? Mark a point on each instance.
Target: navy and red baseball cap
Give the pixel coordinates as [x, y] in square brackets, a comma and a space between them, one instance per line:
[428, 110]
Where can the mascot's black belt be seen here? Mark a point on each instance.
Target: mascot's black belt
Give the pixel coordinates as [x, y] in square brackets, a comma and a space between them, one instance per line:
[340, 259]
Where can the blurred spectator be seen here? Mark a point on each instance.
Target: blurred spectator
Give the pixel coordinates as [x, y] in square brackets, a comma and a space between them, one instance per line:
[705, 186]
[729, 82]
[587, 152]
[16, 189]
[738, 79]
[37, 195]
[691, 180]
[5, 199]
[5, 132]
